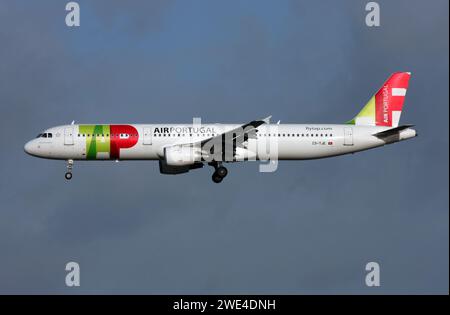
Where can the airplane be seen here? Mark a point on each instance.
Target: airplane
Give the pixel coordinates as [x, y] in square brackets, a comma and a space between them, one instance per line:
[180, 148]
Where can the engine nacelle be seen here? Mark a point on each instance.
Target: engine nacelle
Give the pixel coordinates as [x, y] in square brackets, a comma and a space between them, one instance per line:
[181, 155]
[173, 170]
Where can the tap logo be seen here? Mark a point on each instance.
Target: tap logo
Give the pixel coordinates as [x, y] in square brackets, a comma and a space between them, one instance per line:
[106, 141]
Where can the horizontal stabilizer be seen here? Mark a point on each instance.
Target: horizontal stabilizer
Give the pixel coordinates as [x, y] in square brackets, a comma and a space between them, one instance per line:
[393, 131]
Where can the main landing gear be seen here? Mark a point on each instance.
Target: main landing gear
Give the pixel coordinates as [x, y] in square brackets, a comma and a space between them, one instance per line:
[68, 174]
[219, 173]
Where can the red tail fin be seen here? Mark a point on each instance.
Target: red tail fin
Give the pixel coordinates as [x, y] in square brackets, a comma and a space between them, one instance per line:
[385, 107]
[389, 99]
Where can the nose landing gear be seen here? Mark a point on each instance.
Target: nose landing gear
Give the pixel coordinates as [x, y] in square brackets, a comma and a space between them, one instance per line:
[219, 173]
[68, 174]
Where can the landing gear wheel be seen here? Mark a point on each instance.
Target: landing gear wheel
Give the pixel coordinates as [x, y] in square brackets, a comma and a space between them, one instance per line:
[69, 166]
[216, 178]
[221, 171]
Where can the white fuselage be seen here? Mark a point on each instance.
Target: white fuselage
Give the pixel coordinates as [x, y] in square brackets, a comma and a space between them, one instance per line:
[147, 142]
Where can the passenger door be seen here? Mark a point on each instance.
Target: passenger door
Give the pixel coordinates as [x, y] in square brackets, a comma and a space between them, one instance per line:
[68, 136]
[348, 136]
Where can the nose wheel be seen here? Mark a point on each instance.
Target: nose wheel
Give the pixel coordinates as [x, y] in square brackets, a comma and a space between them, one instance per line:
[219, 173]
[68, 174]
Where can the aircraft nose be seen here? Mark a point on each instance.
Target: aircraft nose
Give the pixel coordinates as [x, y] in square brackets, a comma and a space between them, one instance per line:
[30, 147]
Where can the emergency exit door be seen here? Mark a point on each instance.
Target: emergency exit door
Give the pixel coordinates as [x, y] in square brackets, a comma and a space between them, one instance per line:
[147, 136]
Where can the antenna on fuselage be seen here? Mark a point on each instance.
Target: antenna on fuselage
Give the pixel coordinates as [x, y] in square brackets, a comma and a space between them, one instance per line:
[73, 122]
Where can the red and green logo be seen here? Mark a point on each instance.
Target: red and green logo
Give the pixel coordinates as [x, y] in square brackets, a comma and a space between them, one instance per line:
[106, 141]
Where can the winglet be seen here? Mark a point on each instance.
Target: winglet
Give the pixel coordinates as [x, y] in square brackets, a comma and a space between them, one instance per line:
[267, 119]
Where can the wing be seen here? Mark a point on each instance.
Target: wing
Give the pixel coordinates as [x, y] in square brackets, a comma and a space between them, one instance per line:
[222, 147]
[242, 132]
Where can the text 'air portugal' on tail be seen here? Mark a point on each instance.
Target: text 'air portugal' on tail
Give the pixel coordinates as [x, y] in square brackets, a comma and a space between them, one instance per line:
[385, 107]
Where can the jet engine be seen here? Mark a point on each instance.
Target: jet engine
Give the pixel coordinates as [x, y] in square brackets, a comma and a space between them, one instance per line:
[181, 155]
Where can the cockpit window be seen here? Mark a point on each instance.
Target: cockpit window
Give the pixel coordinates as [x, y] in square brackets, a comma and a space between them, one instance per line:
[45, 135]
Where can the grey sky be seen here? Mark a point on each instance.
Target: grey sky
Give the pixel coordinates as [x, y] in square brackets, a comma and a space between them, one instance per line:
[310, 227]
